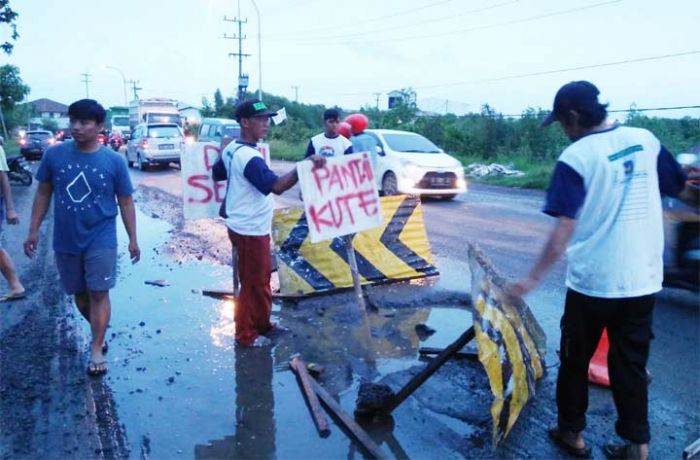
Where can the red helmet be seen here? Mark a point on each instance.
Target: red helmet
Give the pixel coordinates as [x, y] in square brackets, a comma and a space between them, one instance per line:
[344, 129]
[358, 122]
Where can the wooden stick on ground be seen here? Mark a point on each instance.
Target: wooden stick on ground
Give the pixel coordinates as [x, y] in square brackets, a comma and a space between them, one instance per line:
[319, 417]
[427, 351]
[348, 422]
[430, 369]
[692, 450]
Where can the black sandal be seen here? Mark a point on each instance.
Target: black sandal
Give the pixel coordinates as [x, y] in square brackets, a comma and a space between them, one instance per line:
[616, 451]
[578, 452]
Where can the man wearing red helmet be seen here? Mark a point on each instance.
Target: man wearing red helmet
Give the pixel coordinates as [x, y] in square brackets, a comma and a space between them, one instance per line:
[361, 141]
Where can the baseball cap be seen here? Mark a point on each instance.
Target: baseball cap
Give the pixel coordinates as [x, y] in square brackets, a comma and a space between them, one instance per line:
[252, 108]
[576, 95]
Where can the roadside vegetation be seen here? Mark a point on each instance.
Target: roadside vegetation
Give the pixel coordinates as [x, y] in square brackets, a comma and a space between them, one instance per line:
[485, 137]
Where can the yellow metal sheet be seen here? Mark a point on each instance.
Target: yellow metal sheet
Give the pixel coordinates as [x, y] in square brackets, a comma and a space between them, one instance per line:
[398, 249]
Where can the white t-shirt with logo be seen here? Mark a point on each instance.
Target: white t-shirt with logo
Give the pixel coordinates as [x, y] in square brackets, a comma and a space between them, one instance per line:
[249, 204]
[328, 146]
[612, 179]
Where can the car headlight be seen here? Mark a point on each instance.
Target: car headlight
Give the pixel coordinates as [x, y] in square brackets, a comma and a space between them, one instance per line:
[413, 171]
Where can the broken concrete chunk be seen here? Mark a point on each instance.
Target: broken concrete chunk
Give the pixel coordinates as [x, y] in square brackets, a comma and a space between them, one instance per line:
[372, 398]
[424, 331]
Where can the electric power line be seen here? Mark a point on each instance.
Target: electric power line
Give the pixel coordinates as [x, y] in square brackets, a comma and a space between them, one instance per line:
[413, 24]
[652, 109]
[546, 72]
[460, 31]
[365, 21]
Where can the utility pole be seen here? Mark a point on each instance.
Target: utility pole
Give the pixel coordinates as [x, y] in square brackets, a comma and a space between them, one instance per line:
[296, 92]
[87, 81]
[135, 88]
[447, 101]
[242, 77]
[377, 96]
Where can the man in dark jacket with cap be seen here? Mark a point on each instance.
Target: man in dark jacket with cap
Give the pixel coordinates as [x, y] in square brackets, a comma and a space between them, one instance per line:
[606, 195]
[249, 208]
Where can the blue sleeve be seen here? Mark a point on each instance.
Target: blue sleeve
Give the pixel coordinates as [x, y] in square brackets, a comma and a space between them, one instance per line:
[348, 151]
[123, 186]
[43, 173]
[310, 150]
[566, 192]
[672, 178]
[262, 177]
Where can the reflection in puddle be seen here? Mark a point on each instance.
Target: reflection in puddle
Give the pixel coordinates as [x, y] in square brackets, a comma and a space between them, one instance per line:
[225, 328]
[181, 383]
[254, 435]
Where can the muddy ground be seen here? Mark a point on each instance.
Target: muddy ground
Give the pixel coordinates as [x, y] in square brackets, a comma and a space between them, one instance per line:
[178, 388]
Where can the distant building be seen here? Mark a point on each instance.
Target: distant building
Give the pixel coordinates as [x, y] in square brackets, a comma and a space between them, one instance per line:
[395, 98]
[48, 112]
[190, 114]
[46, 108]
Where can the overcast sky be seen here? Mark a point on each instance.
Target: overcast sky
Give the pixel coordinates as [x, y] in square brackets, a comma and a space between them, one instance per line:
[456, 54]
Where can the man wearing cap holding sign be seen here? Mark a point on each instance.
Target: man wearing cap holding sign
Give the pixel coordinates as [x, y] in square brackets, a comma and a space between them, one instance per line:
[248, 218]
[606, 195]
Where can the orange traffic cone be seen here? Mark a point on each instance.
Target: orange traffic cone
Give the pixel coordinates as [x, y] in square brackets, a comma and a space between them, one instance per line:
[598, 367]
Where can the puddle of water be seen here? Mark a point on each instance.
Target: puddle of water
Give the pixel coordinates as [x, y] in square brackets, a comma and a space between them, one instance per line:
[184, 390]
[449, 324]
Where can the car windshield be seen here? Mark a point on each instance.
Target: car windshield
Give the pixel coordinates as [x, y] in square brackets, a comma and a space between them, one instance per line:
[164, 118]
[410, 143]
[120, 121]
[163, 131]
[40, 135]
[232, 131]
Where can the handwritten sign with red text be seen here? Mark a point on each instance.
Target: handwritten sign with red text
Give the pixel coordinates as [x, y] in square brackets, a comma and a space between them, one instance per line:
[341, 198]
[201, 195]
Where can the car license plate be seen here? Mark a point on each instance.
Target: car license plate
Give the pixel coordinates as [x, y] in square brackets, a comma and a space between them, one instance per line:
[441, 180]
[166, 147]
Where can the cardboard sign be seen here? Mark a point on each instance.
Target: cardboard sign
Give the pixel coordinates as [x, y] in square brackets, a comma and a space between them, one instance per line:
[201, 195]
[341, 198]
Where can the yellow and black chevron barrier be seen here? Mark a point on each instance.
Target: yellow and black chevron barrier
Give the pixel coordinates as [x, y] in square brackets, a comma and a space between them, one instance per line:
[511, 344]
[397, 250]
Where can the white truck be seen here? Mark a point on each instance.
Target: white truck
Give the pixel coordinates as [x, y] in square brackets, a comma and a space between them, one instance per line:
[155, 110]
[120, 125]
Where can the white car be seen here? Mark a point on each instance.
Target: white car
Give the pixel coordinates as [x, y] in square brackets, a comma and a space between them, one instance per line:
[155, 144]
[410, 163]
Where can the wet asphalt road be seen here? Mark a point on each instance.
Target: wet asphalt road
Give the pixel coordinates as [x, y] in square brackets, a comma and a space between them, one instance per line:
[178, 388]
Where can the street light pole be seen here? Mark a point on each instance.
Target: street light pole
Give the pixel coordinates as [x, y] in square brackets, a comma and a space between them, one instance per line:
[123, 80]
[257, 12]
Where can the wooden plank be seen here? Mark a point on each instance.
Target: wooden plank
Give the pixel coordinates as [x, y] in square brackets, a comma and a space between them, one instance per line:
[692, 450]
[348, 422]
[428, 351]
[352, 260]
[217, 294]
[317, 414]
[430, 369]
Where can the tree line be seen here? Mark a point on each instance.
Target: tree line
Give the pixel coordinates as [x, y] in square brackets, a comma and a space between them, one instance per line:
[488, 134]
